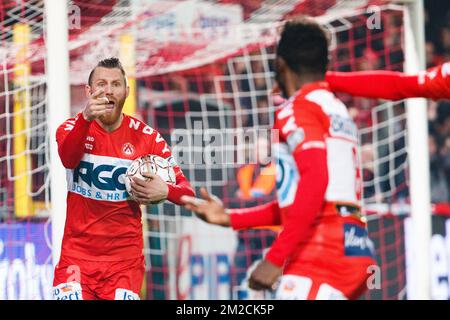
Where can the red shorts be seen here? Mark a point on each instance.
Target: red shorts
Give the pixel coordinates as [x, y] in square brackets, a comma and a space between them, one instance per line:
[78, 279]
[333, 279]
[337, 260]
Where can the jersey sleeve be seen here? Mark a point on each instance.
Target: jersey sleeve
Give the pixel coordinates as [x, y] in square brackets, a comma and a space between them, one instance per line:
[70, 137]
[435, 82]
[310, 154]
[392, 85]
[182, 186]
[260, 216]
[306, 128]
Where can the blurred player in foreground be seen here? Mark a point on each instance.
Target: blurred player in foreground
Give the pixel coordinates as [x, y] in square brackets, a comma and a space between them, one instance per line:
[323, 251]
[101, 255]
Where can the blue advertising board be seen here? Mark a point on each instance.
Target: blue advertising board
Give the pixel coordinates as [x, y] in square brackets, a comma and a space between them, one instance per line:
[26, 270]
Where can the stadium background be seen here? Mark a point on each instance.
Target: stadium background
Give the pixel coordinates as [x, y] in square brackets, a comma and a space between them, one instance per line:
[187, 260]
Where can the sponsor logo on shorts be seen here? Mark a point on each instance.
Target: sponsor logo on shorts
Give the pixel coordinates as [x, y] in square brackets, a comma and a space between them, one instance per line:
[124, 294]
[289, 286]
[68, 291]
[293, 287]
[356, 241]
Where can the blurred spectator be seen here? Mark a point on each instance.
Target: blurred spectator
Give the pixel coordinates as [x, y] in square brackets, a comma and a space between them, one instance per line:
[257, 178]
[437, 32]
[443, 117]
[441, 134]
[343, 60]
[445, 155]
[430, 54]
[263, 111]
[438, 179]
[367, 159]
[252, 87]
[370, 61]
[444, 47]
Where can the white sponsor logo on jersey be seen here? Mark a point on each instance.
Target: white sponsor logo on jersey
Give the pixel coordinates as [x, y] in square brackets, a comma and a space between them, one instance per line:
[99, 178]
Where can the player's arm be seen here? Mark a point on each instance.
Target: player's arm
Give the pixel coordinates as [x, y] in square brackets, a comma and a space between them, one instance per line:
[392, 85]
[297, 224]
[181, 188]
[267, 214]
[210, 209]
[310, 156]
[71, 135]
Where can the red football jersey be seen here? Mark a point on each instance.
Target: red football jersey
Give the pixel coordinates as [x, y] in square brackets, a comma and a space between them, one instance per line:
[318, 184]
[102, 222]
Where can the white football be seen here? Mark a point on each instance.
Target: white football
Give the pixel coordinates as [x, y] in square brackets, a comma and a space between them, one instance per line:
[149, 163]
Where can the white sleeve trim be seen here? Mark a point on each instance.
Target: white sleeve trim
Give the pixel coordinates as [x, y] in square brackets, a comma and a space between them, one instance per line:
[313, 145]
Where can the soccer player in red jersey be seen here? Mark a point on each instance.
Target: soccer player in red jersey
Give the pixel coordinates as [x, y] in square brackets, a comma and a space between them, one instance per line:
[391, 85]
[323, 251]
[101, 254]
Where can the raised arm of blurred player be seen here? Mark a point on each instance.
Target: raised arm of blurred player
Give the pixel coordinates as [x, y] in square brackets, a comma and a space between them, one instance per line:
[391, 85]
[71, 135]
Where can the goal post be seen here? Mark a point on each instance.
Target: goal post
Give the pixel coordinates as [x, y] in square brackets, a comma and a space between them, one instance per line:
[418, 266]
[58, 88]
